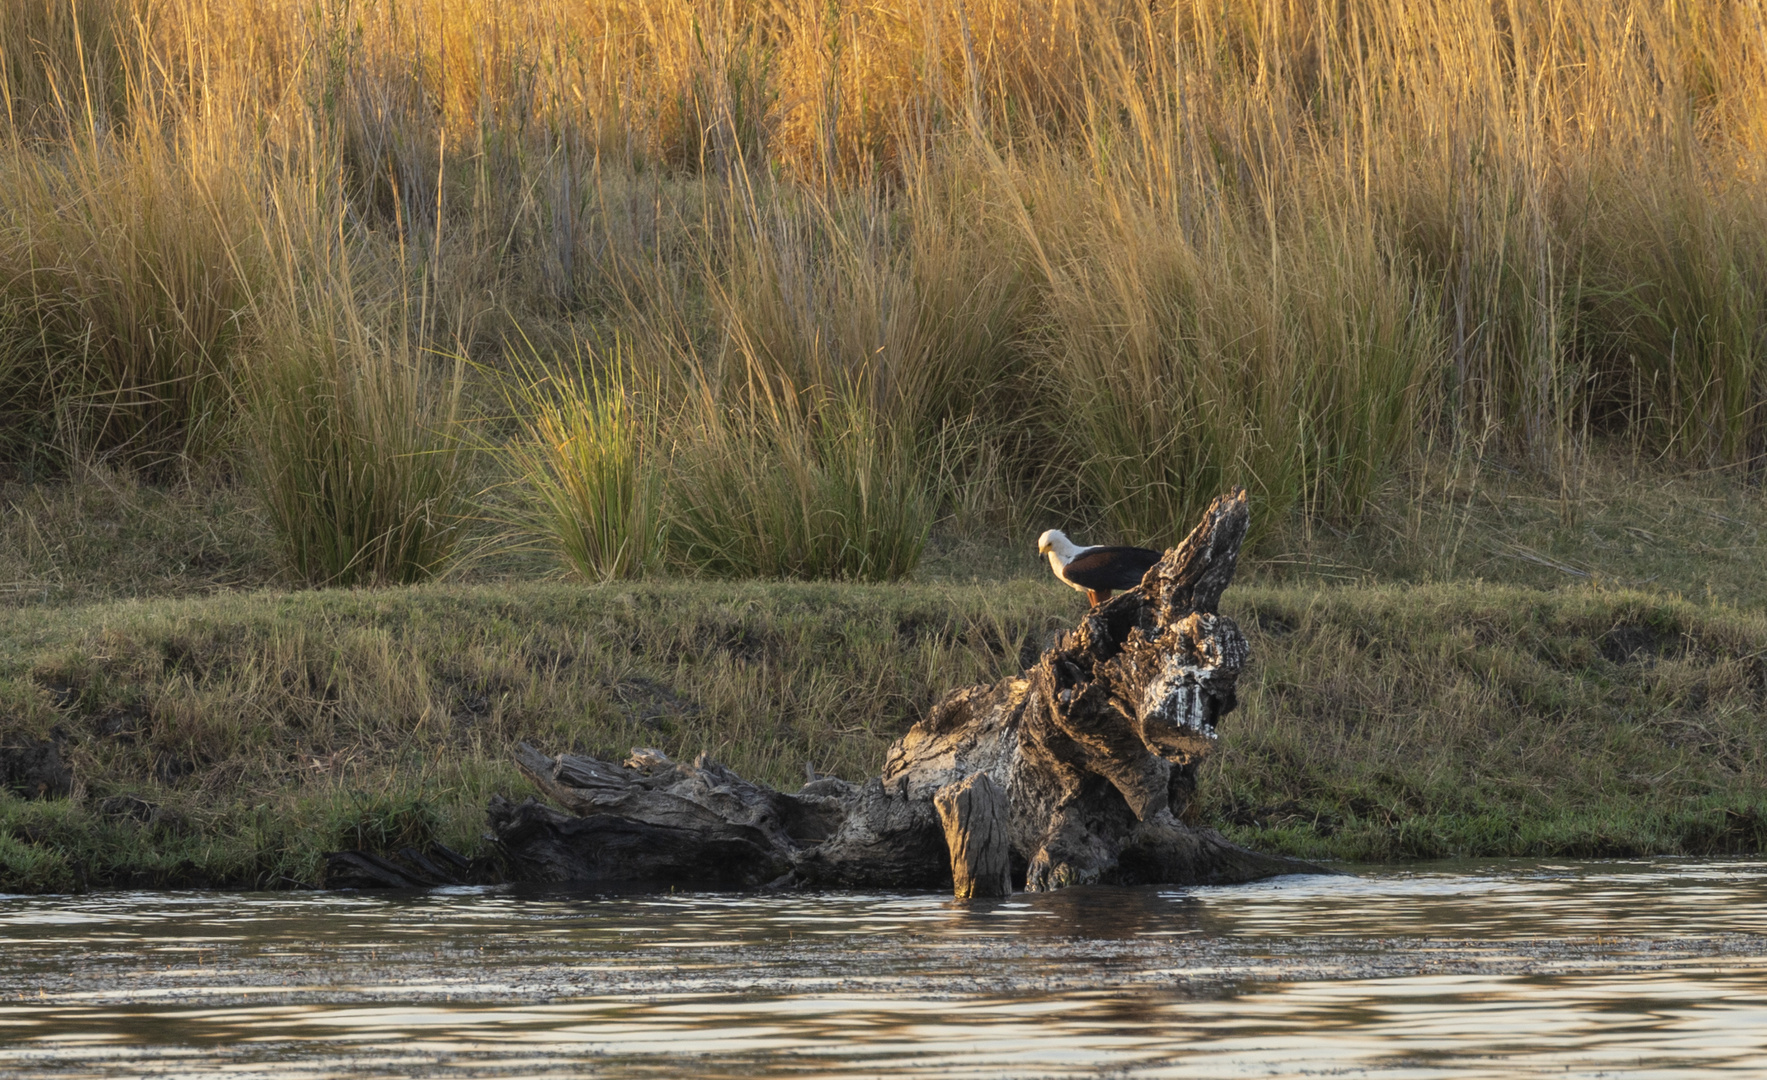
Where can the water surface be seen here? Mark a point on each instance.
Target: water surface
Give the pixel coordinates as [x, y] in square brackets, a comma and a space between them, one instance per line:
[1652, 968]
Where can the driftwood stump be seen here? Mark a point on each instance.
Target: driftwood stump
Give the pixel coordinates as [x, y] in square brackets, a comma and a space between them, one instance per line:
[977, 818]
[1074, 772]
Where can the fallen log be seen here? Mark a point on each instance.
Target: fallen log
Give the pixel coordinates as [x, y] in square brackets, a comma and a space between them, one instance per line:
[1075, 772]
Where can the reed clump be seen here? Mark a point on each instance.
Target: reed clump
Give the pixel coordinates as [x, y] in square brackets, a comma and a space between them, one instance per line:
[354, 465]
[1176, 365]
[796, 486]
[127, 260]
[585, 462]
[783, 485]
[352, 435]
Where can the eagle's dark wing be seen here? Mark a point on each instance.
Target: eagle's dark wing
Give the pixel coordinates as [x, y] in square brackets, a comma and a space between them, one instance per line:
[1110, 567]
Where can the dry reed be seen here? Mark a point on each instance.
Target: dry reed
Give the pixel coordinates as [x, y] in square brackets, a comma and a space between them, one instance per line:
[1145, 250]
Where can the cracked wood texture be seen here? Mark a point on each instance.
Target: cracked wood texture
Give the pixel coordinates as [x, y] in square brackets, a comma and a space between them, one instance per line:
[974, 812]
[1080, 769]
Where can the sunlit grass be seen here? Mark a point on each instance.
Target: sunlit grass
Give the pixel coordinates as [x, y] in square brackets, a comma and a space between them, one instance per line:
[590, 488]
[1130, 249]
[127, 261]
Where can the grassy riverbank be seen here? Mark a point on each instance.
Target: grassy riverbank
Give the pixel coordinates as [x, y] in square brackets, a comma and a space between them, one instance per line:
[328, 294]
[233, 739]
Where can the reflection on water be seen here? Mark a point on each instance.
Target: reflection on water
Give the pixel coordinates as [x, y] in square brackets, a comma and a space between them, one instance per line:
[1590, 969]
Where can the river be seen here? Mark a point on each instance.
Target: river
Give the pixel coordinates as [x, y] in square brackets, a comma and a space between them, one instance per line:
[1653, 968]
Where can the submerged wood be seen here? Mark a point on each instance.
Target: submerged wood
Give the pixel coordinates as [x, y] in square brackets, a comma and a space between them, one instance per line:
[977, 820]
[408, 868]
[1076, 771]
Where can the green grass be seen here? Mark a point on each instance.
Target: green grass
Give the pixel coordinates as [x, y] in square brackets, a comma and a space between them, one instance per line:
[1377, 722]
[1441, 677]
[587, 486]
[128, 842]
[280, 708]
[1416, 722]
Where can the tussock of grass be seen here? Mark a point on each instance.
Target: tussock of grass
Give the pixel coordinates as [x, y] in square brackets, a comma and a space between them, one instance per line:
[353, 447]
[779, 483]
[591, 490]
[808, 485]
[128, 252]
[1181, 366]
[358, 478]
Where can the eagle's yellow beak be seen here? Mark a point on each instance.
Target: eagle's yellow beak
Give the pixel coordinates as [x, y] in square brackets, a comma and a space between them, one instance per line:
[1043, 548]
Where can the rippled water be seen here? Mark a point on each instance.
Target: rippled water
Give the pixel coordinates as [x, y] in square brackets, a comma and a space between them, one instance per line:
[1477, 969]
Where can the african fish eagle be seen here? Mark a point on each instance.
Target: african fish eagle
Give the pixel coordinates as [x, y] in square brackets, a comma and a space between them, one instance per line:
[1096, 570]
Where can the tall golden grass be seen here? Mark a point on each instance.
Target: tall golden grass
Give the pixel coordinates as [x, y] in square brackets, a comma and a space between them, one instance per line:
[129, 246]
[1142, 249]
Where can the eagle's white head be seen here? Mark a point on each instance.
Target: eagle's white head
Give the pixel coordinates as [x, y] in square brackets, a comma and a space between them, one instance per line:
[1055, 542]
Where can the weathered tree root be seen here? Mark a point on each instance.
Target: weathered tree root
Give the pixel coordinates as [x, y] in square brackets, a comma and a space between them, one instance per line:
[1075, 772]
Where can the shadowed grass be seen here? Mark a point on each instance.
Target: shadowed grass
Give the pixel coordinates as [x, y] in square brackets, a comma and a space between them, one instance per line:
[1176, 368]
[1375, 722]
[108, 536]
[358, 476]
[353, 447]
[124, 841]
